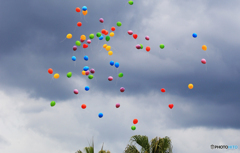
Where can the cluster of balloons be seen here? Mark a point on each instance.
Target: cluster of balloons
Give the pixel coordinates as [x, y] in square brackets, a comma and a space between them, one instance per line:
[135, 121]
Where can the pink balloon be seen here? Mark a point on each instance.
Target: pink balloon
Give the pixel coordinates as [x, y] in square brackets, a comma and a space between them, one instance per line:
[87, 72]
[75, 91]
[130, 32]
[117, 105]
[110, 78]
[203, 61]
[147, 37]
[89, 41]
[92, 71]
[122, 89]
[101, 20]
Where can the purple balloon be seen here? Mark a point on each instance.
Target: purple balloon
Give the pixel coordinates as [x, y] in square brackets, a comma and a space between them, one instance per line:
[89, 41]
[117, 105]
[110, 78]
[74, 48]
[92, 71]
[122, 89]
[147, 37]
[130, 32]
[75, 91]
[101, 20]
[138, 46]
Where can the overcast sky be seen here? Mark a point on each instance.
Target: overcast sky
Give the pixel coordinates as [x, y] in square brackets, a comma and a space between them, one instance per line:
[33, 40]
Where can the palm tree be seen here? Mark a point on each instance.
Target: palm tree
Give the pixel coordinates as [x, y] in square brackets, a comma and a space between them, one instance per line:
[157, 145]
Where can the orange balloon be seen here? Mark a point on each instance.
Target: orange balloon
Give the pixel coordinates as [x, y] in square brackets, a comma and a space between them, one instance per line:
[84, 12]
[204, 47]
[78, 9]
[83, 72]
[147, 48]
[50, 71]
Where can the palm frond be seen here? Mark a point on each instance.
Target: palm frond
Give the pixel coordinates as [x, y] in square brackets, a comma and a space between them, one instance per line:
[142, 141]
[131, 149]
[78, 151]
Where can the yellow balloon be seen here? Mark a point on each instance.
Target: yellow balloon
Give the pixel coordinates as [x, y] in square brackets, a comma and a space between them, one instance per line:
[111, 34]
[56, 76]
[105, 45]
[83, 72]
[84, 12]
[204, 47]
[83, 37]
[110, 53]
[69, 36]
[108, 48]
[190, 86]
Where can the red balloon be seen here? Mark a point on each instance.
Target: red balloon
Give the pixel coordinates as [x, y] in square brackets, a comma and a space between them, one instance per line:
[106, 32]
[103, 31]
[113, 28]
[147, 48]
[135, 36]
[50, 71]
[135, 121]
[79, 24]
[78, 9]
[81, 40]
[84, 106]
[170, 106]
[163, 90]
[85, 46]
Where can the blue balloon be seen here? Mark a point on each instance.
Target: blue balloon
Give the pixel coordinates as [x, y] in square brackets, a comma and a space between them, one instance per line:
[194, 35]
[116, 64]
[111, 63]
[100, 115]
[74, 58]
[86, 68]
[86, 58]
[84, 8]
[87, 88]
[101, 38]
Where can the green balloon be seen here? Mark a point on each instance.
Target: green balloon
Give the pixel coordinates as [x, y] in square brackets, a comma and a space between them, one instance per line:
[161, 46]
[141, 46]
[69, 74]
[78, 43]
[107, 38]
[120, 74]
[90, 76]
[98, 34]
[91, 36]
[52, 103]
[133, 127]
[130, 2]
[119, 24]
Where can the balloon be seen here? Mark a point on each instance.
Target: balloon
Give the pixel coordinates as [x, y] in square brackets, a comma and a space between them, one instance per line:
[69, 36]
[111, 63]
[147, 48]
[74, 58]
[81, 40]
[120, 75]
[113, 28]
[106, 32]
[85, 46]
[78, 9]
[110, 78]
[69, 74]
[130, 32]
[74, 48]
[84, 8]
[108, 48]
[83, 37]
[79, 24]
[78, 43]
[87, 88]
[53, 103]
[105, 45]
[75, 91]
[163, 90]
[83, 72]
[101, 20]
[84, 12]
[135, 121]
[90, 76]
[107, 38]
[130, 2]
[135, 36]
[194, 35]
[84, 106]
[161, 46]
[116, 64]
[170, 106]
[110, 53]
[119, 24]
[190, 86]
[101, 38]
[204, 47]
[100, 115]
[92, 71]
[141, 46]
[86, 68]
[50, 71]
[111, 34]
[133, 127]
[103, 31]
[117, 105]
[87, 72]
[203, 61]
[91, 36]
[85, 58]
[122, 89]
[138, 46]
[147, 37]
[98, 34]
[89, 41]
[56, 76]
